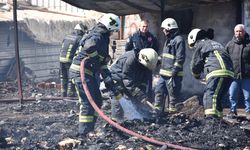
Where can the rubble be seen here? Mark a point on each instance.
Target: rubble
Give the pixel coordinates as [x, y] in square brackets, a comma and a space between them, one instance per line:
[45, 124]
[54, 124]
[68, 143]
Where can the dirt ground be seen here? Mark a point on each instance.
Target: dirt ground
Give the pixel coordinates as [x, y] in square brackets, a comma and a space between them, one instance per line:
[43, 124]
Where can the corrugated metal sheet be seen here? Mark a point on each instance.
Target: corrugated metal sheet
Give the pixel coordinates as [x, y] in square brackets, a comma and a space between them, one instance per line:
[125, 7]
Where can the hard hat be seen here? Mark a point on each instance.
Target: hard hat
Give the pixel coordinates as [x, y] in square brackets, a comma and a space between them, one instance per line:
[80, 27]
[148, 58]
[169, 23]
[192, 37]
[111, 21]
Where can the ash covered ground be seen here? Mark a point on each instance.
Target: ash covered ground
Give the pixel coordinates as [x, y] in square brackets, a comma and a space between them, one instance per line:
[43, 124]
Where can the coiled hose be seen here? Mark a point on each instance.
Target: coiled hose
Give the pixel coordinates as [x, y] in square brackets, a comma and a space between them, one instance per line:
[116, 125]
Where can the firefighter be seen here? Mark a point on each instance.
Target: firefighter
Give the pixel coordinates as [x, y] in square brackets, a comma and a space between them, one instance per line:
[211, 60]
[143, 38]
[129, 73]
[94, 51]
[171, 71]
[69, 45]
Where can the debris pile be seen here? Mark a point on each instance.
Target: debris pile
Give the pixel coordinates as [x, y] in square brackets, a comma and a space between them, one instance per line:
[9, 90]
[54, 125]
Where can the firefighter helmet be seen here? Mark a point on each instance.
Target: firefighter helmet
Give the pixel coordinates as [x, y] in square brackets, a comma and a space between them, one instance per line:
[111, 22]
[192, 37]
[169, 23]
[148, 58]
[80, 27]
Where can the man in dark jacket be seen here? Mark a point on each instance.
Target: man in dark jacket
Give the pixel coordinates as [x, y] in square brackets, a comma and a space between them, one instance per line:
[173, 57]
[69, 45]
[129, 73]
[94, 51]
[211, 60]
[143, 39]
[239, 50]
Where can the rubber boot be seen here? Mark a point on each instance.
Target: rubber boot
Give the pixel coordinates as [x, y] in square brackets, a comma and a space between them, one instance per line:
[85, 128]
[172, 108]
[117, 113]
[71, 90]
[159, 102]
[64, 86]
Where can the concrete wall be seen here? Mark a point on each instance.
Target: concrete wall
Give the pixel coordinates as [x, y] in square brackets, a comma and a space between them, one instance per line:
[39, 62]
[51, 31]
[39, 47]
[246, 15]
[220, 17]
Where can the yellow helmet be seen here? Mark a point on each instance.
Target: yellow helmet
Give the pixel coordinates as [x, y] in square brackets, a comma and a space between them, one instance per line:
[148, 58]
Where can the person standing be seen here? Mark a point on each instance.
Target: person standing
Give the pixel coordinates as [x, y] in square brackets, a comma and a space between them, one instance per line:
[211, 60]
[143, 38]
[69, 46]
[94, 52]
[239, 50]
[129, 73]
[171, 71]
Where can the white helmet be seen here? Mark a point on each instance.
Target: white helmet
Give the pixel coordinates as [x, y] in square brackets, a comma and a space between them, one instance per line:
[192, 37]
[80, 27]
[148, 58]
[111, 21]
[169, 24]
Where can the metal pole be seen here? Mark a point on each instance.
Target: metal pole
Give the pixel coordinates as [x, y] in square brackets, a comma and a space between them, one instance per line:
[13, 100]
[121, 32]
[20, 91]
[162, 10]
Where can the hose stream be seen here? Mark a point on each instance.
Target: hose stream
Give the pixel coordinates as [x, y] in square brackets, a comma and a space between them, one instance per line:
[116, 125]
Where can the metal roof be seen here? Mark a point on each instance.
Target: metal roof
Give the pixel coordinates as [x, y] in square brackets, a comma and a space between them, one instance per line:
[126, 7]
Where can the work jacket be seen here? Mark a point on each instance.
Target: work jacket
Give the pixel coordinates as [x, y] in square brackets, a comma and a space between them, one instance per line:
[69, 46]
[131, 75]
[239, 52]
[173, 56]
[137, 42]
[211, 59]
[94, 46]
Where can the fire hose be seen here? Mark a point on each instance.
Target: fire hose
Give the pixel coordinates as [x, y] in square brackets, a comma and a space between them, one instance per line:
[118, 126]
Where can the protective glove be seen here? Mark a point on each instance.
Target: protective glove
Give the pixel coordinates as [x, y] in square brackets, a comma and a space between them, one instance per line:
[118, 96]
[174, 73]
[145, 100]
[106, 60]
[156, 112]
[203, 81]
[196, 76]
[91, 64]
[95, 65]
[159, 60]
